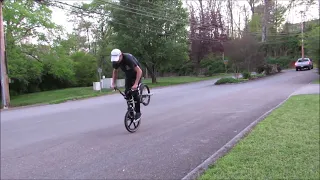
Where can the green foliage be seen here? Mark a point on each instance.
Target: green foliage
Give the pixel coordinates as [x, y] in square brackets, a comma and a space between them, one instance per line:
[255, 23]
[142, 36]
[284, 61]
[312, 44]
[246, 75]
[228, 80]
[85, 68]
[213, 65]
[160, 44]
[260, 69]
[266, 69]
[23, 17]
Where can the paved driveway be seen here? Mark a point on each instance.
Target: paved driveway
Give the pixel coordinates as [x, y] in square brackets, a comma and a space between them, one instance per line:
[182, 126]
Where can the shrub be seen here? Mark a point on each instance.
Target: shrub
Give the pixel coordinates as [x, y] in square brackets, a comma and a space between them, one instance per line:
[279, 68]
[266, 68]
[227, 80]
[213, 65]
[246, 75]
[283, 61]
[259, 69]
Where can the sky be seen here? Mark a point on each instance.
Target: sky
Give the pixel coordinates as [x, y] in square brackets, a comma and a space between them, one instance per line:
[60, 17]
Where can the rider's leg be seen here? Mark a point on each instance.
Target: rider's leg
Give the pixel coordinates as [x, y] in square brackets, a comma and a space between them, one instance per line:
[137, 103]
[128, 85]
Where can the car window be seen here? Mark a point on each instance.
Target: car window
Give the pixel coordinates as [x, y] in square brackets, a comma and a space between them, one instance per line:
[303, 60]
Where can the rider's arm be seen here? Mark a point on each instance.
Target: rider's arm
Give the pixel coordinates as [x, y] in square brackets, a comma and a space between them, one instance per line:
[114, 76]
[133, 64]
[139, 74]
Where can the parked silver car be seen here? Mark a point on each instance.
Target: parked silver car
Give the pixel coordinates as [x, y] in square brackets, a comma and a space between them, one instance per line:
[304, 63]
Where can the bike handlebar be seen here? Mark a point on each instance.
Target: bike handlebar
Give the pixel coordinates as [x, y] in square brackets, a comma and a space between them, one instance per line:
[115, 88]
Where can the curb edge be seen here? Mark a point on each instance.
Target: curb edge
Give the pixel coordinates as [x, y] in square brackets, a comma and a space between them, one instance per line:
[201, 168]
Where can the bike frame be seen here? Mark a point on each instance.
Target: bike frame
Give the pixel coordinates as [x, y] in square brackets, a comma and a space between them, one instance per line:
[129, 98]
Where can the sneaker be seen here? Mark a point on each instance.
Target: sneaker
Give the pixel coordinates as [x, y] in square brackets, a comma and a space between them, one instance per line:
[137, 117]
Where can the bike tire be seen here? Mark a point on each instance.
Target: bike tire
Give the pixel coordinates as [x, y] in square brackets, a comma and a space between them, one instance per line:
[128, 117]
[148, 96]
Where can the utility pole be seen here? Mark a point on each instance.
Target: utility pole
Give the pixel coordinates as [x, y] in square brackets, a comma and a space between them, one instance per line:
[4, 76]
[302, 27]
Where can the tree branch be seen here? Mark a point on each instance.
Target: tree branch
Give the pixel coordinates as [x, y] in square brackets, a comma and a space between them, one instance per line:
[31, 55]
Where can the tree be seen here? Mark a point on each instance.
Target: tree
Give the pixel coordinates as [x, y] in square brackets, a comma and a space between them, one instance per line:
[252, 4]
[243, 53]
[85, 68]
[230, 7]
[312, 43]
[155, 39]
[207, 34]
[22, 19]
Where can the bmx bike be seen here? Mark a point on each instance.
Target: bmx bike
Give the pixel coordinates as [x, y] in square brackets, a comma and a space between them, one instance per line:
[130, 114]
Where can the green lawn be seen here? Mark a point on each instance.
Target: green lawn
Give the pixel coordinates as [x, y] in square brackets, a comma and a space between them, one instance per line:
[316, 81]
[58, 96]
[283, 146]
[169, 81]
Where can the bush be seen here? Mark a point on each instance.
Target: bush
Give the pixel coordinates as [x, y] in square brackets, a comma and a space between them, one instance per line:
[283, 61]
[259, 69]
[266, 68]
[85, 68]
[228, 80]
[246, 75]
[213, 65]
[279, 69]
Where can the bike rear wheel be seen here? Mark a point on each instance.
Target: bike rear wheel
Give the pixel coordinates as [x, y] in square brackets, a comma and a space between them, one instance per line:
[144, 94]
[129, 122]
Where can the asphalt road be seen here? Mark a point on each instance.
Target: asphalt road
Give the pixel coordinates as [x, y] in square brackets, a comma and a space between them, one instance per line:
[182, 126]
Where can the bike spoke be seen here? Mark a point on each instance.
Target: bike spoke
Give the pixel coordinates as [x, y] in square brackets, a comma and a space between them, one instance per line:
[135, 126]
[131, 122]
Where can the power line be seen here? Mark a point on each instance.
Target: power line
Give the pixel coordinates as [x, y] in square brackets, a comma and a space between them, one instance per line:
[190, 23]
[122, 8]
[90, 11]
[135, 27]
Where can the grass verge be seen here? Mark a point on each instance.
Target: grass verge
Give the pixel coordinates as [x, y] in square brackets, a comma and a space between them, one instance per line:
[169, 81]
[316, 81]
[283, 146]
[63, 95]
[55, 96]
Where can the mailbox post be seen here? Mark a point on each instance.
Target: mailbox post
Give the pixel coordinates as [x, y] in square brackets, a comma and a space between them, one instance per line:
[100, 71]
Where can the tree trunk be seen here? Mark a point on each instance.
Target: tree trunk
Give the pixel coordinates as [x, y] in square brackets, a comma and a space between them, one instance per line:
[152, 72]
[88, 38]
[230, 8]
[252, 6]
[265, 21]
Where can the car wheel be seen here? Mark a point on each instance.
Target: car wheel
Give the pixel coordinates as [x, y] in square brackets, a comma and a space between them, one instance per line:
[297, 69]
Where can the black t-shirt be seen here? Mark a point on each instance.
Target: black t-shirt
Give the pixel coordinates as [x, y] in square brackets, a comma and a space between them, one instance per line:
[127, 65]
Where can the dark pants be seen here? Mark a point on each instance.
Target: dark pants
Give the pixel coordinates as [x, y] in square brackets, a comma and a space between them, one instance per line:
[128, 85]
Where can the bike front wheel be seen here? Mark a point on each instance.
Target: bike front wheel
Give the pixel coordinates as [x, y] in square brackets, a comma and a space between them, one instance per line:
[129, 122]
[144, 94]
